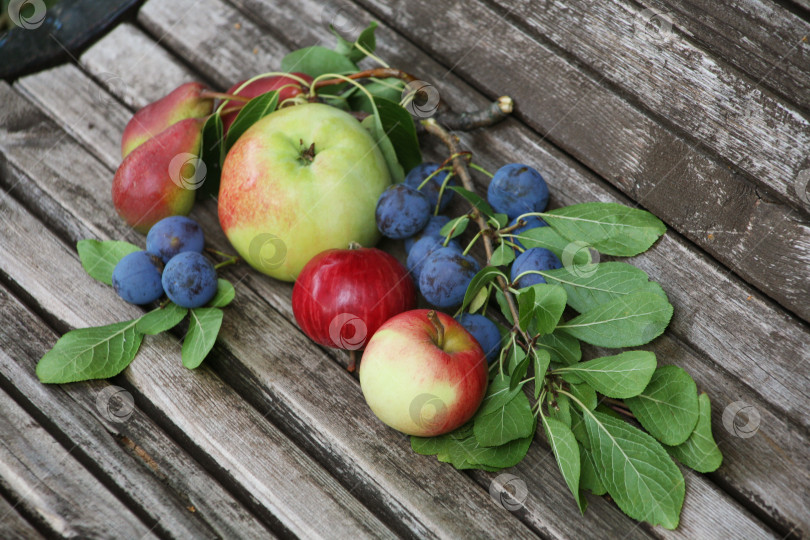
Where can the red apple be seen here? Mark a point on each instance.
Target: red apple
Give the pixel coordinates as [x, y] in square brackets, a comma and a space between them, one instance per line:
[287, 88]
[423, 374]
[342, 296]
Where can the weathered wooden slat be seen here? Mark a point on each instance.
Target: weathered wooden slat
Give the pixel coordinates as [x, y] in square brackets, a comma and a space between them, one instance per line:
[14, 526]
[48, 485]
[709, 375]
[147, 468]
[760, 239]
[759, 37]
[726, 111]
[198, 397]
[270, 291]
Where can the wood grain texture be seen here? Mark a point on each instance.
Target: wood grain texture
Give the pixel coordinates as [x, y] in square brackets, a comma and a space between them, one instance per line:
[48, 485]
[760, 37]
[199, 397]
[280, 480]
[253, 283]
[760, 239]
[147, 469]
[14, 526]
[674, 79]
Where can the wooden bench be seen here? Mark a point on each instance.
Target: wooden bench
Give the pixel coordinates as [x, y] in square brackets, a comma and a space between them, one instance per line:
[704, 123]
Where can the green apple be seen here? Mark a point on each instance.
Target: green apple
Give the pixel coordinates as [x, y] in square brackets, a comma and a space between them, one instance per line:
[301, 180]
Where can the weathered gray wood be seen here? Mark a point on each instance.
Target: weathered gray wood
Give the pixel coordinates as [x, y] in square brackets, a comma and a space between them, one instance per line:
[14, 526]
[759, 37]
[148, 469]
[332, 405]
[233, 371]
[47, 484]
[765, 242]
[726, 111]
[729, 390]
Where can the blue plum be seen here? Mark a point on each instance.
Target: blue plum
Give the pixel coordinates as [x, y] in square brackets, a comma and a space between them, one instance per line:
[433, 228]
[190, 280]
[422, 249]
[533, 259]
[484, 331]
[173, 235]
[136, 278]
[418, 174]
[402, 211]
[445, 277]
[532, 222]
[517, 189]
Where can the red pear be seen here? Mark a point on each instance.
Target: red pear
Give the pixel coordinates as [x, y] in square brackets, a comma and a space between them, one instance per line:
[287, 88]
[159, 177]
[181, 103]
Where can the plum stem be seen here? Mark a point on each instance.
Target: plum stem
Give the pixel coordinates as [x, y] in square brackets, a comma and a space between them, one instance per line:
[460, 167]
[437, 324]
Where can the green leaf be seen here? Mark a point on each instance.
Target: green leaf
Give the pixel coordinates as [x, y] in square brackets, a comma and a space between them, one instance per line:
[348, 49]
[161, 319]
[585, 394]
[502, 255]
[90, 353]
[203, 328]
[455, 226]
[699, 452]
[397, 122]
[484, 277]
[253, 111]
[622, 376]
[601, 283]
[564, 349]
[475, 200]
[542, 305]
[498, 395]
[668, 406]
[225, 294]
[588, 478]
[519, 372]
[501, 219]
[610, 228]
[546, 237]
[390, 89]
[566, 451]
[628, 321]
[479, 300]
[374, 126]
[513, 420]
[541, 359]
[636, 471]
[578, 426]
[99, 258]
[463, 451]
[317, 60]
[562, 411]
[212, 154]
[514, 357]
[501, 299]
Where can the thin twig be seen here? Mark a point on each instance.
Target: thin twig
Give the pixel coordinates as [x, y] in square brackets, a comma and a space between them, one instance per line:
[460, 167]
[377, 73]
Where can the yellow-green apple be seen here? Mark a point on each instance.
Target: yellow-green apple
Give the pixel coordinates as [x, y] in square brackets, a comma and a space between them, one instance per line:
[423, 374]
[181, 103]
[287, 88]
[299, 181]
[159, 177]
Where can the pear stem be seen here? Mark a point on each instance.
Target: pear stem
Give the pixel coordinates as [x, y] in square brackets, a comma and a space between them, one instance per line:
[352, 361]
[437, 324]
[205, 94]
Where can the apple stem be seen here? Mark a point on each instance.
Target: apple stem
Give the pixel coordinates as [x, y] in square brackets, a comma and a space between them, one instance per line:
[451, 142]
[352, 361]
[354, 245]
[437, 324]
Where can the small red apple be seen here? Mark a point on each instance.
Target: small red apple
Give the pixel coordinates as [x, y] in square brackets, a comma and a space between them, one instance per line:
[342, 296]
[423, 374]
[287, 88]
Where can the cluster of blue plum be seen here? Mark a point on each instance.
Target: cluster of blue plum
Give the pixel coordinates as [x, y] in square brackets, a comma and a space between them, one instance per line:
[443, 272]
[173, 264]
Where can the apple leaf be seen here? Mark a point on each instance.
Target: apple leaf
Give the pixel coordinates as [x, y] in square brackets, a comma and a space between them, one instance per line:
[100, 257]
[498, 394]
[253, 111]
[317, 60]
[161, 319]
